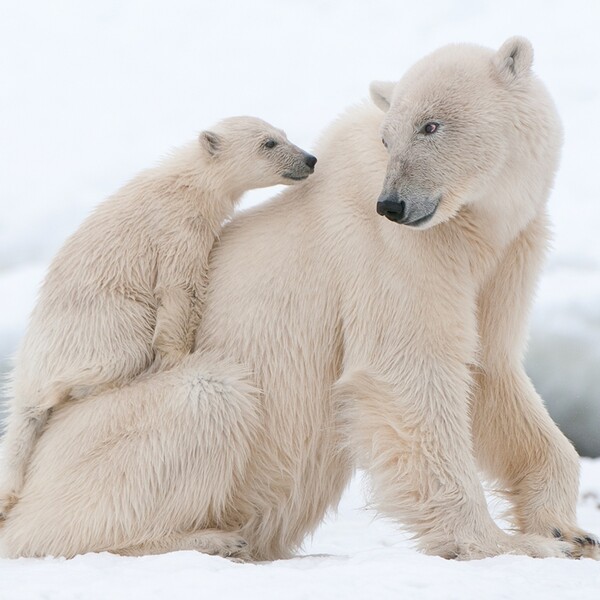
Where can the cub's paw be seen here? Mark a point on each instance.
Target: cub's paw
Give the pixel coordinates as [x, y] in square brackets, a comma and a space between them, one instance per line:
[166, 361]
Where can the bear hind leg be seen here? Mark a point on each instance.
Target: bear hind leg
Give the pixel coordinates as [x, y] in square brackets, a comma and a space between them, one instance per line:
[21, 436]
[24, 428]
[208, 541]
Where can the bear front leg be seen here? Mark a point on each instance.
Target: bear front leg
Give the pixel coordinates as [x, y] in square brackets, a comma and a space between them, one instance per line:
[517, 443]
[524, 451]
[418, 453]
[176, 324]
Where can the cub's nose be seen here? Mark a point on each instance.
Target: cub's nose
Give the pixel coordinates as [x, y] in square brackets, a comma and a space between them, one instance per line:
[391, 209]
[310, 161]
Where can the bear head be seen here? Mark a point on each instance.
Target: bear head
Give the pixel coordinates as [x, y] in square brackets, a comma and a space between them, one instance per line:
[453, 124]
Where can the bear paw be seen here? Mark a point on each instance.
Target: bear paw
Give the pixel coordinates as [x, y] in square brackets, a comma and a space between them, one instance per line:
[535, 546]
[220, 543]
[585, 544]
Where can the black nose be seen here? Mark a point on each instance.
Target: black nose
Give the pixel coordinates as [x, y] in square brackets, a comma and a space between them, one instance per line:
[391, 209]
[310, 161]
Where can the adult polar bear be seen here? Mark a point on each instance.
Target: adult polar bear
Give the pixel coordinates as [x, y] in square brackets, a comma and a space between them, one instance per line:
[392, 345]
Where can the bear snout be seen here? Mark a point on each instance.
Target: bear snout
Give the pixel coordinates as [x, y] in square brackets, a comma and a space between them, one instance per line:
[301, 166]
[310, 161]
[390, 207]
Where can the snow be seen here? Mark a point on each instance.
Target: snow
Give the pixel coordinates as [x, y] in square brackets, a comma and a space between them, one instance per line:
[352, 555]
[94, 91]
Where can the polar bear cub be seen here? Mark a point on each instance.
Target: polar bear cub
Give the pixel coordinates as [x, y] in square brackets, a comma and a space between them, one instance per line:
[124, 294]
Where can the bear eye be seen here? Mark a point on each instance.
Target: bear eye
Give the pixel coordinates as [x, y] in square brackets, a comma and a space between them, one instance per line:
[430, 127]
[384, 142]
[270, 144]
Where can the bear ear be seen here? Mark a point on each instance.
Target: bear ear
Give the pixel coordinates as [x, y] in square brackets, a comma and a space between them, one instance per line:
[211, 142]
[514, 58]
[381, 94]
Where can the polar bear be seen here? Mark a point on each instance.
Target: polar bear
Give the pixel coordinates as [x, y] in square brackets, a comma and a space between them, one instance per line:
[334, 337]
[125, 292]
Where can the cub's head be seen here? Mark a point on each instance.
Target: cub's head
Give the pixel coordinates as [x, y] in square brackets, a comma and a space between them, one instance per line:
[253, 154]
[454, 125]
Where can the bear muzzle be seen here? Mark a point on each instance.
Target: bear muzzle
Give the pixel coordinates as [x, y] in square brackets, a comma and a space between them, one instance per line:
[406, 211]
[303, 167]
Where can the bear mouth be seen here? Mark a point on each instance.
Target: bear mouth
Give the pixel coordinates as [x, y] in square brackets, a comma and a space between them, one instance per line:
[421, 220]
[424, 218]
[295, 177]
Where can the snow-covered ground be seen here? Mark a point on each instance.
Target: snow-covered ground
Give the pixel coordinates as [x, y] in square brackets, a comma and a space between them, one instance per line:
[353, 555]
[94, 91]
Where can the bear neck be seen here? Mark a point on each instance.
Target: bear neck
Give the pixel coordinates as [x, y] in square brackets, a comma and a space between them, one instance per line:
[214, 192]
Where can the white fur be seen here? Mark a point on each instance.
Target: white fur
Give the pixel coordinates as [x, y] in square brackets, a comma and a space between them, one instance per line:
[372, 343]
[124, 294]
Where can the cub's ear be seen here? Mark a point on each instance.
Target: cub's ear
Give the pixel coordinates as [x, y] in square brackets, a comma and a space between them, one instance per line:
[514, 58]
[211, 142]
[381, 94]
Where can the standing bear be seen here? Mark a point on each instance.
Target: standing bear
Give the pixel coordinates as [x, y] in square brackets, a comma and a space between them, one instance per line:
[124, 294]
[390, 341]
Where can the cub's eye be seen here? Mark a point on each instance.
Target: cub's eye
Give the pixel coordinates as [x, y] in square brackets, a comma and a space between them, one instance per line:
[270, 144]
[430, 127]
[384, 142]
